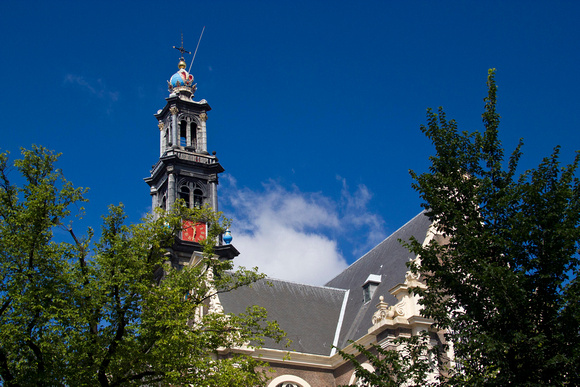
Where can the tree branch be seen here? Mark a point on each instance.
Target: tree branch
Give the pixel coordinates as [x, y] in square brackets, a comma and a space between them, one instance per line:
[5, 371]
[115, 343]
[139, 376]
[35, 348]
[5, 306]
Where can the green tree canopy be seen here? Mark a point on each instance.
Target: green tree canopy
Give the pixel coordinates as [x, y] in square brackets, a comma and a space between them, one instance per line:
[406, 361]
[504, 285]
[80, 313]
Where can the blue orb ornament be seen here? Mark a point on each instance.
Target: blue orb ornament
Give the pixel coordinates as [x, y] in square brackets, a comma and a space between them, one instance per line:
[228, 237]
[177, 80]
[181, 78]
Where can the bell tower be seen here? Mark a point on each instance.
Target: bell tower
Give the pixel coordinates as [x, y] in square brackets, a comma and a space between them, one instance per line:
[185, 170]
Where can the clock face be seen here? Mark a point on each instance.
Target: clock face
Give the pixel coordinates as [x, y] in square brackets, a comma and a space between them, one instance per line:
[193, 232]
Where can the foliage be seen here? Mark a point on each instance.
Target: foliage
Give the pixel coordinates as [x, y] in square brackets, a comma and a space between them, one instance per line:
[505, 286]
[98, 314]
[407, 361]
[502, 277]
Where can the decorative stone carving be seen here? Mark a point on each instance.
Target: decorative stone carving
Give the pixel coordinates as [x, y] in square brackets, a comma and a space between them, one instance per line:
[203, 117]
[411, 278]
[160, 125]
[414, 279]
[386, 312]
[184, 117]
[399, 308]
[214, 304]
[174, 110]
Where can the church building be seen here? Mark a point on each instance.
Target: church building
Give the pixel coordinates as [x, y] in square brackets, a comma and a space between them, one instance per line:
[368, 303]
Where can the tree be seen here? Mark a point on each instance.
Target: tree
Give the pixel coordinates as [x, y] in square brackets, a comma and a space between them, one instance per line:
[504, 286]
[407, 361]
[98, 314]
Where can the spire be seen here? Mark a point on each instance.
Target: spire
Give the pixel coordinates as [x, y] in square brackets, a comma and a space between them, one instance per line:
[185, 170]
[181, 83]
[181, 49]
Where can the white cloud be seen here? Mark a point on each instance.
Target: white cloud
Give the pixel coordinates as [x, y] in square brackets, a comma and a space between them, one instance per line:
[355, 212]
[95, 87]
[294, 235]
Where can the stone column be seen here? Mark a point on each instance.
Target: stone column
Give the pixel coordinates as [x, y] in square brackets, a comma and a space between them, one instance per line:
[174, 128]
[213, 194]
[202, 137]
[188, 134]
[170, 188]
[161, 138]
[154, 201]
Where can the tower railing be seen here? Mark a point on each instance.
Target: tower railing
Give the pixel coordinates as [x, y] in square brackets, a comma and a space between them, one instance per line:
[187, 156]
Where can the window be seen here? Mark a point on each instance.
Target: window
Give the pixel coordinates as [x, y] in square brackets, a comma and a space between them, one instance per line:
[197, 198]
[184, 194]
[288, 381]
[369, 287]
[167, 138]
[367, 292]
[193, 130]
[183, 133]
[359, 382]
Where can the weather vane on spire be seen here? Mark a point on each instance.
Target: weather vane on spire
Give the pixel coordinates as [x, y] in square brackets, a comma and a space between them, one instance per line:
[181, 49]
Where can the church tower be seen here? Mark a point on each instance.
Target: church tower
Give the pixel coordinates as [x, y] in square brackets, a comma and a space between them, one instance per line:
[185, 170]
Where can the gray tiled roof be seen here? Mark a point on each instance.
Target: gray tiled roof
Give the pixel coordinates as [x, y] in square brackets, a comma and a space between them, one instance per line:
[308, 314]
[388, 259]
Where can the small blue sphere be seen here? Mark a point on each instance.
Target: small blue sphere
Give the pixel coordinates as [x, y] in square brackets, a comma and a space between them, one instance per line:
[228, 237]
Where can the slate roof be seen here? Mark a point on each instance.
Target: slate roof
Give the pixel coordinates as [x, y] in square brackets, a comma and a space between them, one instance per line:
[312, 316]
[308, 314]
[388, 259]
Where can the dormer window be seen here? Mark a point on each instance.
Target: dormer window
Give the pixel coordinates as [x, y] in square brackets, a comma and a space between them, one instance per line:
[370, 285]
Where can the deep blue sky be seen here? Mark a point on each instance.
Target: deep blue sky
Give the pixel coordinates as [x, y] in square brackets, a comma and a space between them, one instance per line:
[316, 107]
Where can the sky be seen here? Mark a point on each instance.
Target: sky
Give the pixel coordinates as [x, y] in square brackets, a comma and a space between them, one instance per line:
[316, 106]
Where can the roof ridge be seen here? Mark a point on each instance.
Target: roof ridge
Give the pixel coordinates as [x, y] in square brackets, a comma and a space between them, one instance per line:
[302, 284]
